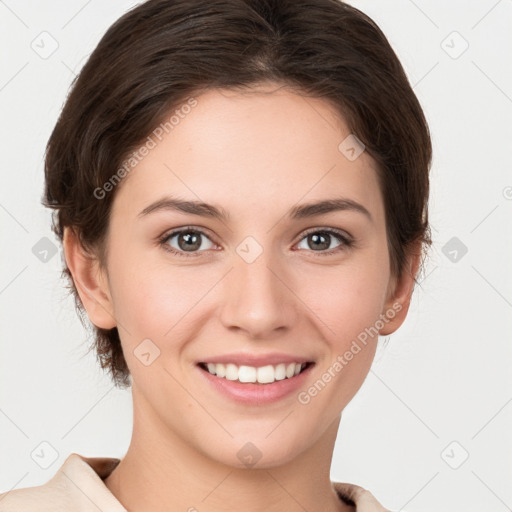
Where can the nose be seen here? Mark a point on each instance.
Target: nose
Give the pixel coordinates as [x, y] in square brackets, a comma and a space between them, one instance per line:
[258, 299]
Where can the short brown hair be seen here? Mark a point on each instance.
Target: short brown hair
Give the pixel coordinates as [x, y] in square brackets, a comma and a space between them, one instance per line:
[164, 51]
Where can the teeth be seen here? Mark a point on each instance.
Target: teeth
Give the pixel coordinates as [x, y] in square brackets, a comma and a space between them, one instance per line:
[263, 374]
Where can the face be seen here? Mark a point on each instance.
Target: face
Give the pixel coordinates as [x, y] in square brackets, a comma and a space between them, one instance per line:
[260, 277]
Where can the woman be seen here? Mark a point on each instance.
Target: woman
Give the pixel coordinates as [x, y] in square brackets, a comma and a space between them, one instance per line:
[241, 189]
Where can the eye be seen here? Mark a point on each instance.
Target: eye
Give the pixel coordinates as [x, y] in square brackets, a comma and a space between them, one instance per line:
[188, 242]
[185, 241]
[320, 240]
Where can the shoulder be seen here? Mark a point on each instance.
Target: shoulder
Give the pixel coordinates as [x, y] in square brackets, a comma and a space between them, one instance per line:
[77, 485]
[49, 497]
[361, 498]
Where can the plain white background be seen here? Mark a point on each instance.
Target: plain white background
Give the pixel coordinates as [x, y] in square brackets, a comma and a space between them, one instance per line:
[430, 428]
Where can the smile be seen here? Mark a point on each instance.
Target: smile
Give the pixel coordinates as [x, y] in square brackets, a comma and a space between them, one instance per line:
[241, 383]
[251, 374]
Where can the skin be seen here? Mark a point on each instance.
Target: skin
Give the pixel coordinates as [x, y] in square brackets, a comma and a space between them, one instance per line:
[256, 155]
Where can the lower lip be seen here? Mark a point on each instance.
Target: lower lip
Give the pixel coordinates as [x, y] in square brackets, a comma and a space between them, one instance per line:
[254, 393]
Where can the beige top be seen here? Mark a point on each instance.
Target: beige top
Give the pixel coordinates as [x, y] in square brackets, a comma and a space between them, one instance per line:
[78, 487]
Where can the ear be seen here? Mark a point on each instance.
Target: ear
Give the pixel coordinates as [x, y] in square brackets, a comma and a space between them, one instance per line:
[400, 292]
[90, 281]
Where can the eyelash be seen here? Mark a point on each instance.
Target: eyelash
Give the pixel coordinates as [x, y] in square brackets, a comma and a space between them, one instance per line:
[346, 241]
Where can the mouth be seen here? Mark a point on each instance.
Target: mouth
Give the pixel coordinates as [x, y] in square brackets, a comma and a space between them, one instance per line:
[261, 375]
[253, 386]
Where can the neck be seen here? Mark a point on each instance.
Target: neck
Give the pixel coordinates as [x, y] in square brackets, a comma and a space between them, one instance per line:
[161, 471]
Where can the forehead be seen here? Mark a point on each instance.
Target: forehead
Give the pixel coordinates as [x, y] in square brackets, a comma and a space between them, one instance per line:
[268, 145]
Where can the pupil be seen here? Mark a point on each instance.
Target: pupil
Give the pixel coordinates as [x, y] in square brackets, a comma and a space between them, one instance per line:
[317, 238]
[192, 241]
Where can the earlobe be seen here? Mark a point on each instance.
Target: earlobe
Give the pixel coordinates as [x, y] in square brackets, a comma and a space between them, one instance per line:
[90, 281]
[399, 299]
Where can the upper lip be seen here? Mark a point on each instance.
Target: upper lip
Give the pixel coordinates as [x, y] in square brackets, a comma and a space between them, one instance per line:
[257, 360]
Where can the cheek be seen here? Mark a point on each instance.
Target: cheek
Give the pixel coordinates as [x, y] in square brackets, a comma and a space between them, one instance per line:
[347, 303]
[346, 306]
[156, 300]
[346, 299]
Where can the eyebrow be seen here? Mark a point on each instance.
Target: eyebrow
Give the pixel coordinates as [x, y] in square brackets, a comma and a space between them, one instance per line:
[298, 212]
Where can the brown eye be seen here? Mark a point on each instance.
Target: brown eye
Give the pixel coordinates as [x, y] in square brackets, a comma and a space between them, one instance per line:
[189, 241]
[186, 241]
[320, 241]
